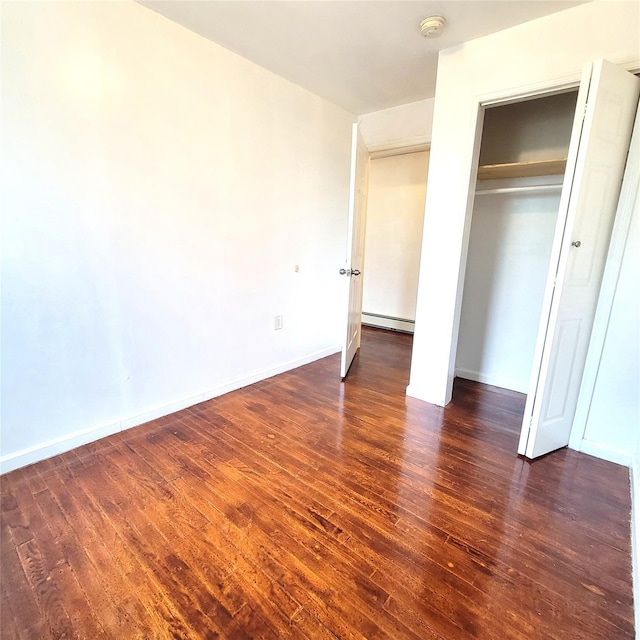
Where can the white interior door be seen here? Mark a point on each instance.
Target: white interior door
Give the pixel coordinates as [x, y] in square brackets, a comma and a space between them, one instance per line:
[597, 154]
[354, 263]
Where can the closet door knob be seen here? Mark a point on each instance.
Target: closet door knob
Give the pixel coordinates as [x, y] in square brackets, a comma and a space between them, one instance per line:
[576, 243]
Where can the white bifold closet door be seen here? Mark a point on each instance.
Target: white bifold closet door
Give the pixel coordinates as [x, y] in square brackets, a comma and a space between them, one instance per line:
[600, 138]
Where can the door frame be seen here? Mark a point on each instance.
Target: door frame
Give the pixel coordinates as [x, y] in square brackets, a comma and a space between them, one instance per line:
[495, 99]
[414, 144]
[408, 147]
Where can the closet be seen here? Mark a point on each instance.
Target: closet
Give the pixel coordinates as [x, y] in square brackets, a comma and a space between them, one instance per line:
[521, 169]
[505, 296]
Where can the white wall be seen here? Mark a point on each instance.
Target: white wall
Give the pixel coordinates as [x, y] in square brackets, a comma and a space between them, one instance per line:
[158, 191]
[395, 212]
[542, 54]
[507, 264]
[402, 126]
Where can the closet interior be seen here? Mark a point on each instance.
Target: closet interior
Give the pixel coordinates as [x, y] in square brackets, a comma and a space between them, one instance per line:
[521, 169]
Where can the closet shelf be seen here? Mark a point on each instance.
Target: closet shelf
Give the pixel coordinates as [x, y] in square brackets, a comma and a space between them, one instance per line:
[539, 188]
[522, 169]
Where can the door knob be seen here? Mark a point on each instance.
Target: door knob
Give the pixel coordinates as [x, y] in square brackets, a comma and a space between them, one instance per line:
[355, 272]
[576, 243]
[345, 272]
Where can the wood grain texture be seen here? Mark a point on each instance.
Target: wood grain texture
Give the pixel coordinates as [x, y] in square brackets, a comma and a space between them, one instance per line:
[306, 507]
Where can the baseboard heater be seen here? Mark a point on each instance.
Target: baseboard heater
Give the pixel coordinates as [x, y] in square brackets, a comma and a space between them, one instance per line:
[388, 322]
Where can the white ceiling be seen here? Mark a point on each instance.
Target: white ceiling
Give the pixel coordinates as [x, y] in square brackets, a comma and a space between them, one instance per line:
[363, 55]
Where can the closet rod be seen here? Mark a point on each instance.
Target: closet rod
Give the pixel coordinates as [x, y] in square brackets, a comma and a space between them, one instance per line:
[529, 189]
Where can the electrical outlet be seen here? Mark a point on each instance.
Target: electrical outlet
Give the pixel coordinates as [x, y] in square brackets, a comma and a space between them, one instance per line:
[278, 322]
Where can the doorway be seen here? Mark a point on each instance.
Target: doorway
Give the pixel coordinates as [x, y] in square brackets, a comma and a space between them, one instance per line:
[395, 216]
[512, 231]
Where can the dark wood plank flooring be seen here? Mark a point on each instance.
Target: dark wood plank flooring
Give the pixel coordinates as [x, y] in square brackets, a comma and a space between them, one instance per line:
[303, 507]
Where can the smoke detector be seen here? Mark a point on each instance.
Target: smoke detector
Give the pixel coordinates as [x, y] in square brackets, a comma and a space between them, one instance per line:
[432, 26]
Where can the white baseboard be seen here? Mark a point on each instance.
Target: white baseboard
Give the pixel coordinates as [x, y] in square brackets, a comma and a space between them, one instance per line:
[494, 381]
[65, 443]
[635, 531]
[604, 453]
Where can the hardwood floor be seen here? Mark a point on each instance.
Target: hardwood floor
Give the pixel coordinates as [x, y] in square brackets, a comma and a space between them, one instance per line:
[303, 507]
